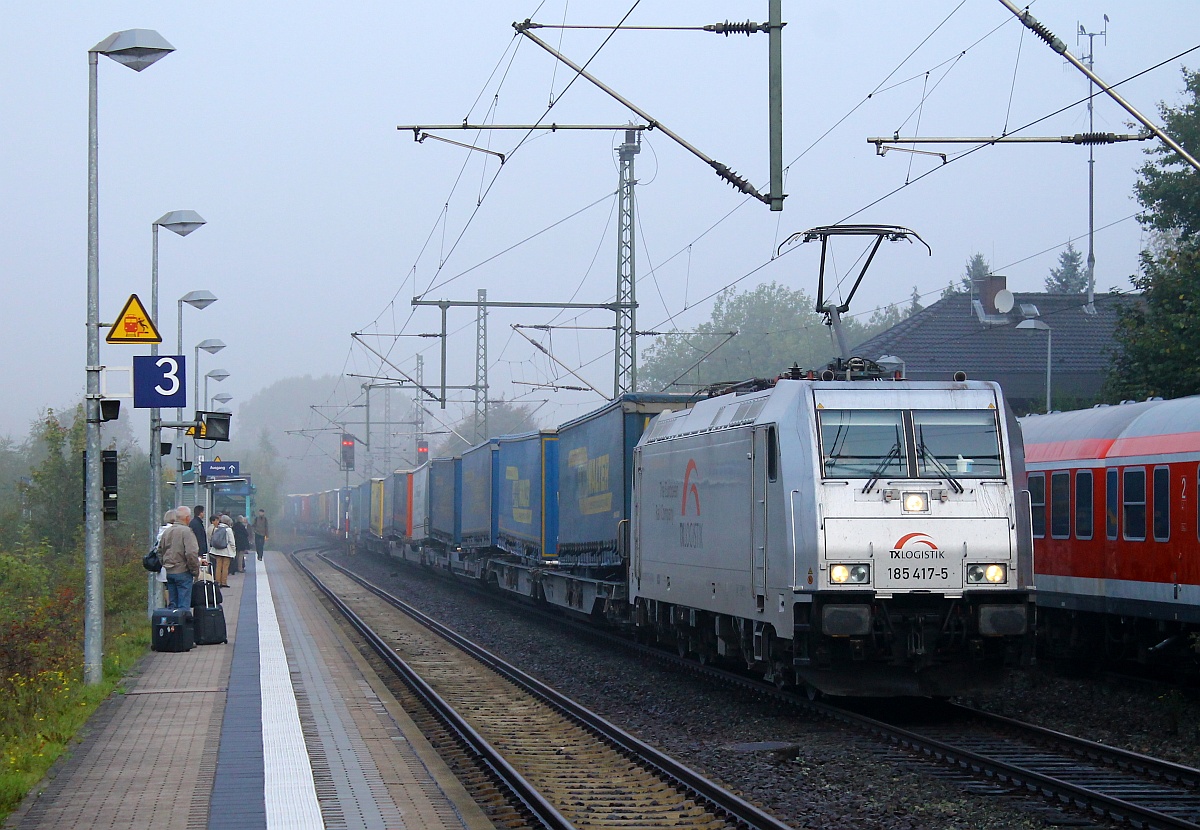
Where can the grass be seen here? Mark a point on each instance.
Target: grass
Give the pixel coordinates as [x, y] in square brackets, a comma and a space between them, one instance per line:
[40, 712]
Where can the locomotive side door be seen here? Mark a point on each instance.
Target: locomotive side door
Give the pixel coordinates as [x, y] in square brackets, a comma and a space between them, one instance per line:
[758, 513]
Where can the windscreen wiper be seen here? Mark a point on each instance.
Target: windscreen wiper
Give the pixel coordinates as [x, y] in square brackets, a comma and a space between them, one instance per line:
[942, 468]
[894, 452]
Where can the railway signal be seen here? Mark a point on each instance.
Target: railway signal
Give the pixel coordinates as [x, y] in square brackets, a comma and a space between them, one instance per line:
[347, 451]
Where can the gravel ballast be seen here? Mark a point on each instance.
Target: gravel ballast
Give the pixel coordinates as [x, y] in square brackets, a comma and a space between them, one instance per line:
[808, 773]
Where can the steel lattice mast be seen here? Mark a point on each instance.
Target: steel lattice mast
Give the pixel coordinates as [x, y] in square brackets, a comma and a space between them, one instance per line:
[625, 372]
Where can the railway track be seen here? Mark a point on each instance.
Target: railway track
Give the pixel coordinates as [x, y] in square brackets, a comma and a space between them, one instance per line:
[1104, 780]
[561, 765]
[1014, 758]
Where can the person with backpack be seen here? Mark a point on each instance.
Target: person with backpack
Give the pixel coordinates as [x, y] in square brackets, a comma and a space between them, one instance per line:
[221, 546]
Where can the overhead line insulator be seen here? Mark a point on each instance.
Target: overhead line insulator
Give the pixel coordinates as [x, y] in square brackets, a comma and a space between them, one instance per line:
[727, 28]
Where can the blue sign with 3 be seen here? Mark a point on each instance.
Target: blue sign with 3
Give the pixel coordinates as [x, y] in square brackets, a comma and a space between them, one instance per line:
[159, 382]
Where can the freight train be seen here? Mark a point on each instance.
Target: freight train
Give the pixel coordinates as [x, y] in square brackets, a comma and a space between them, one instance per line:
[854, 536]
[1116, 525]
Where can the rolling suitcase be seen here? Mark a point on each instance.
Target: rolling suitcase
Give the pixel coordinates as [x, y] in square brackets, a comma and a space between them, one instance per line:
[208, 614]
[171, 630]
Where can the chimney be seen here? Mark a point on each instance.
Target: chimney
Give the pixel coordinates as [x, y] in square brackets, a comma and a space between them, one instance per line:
[993, 285]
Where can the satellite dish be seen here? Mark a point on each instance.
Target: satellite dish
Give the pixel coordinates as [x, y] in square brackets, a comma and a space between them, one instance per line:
[1004, 301]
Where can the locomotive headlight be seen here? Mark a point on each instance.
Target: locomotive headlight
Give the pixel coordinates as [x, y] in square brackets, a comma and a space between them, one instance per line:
[916, 502]
[994, 574]
[849, 574]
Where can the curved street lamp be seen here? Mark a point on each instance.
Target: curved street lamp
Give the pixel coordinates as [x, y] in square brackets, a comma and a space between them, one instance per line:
[1038, 325]
[137, 49]
[181, 222]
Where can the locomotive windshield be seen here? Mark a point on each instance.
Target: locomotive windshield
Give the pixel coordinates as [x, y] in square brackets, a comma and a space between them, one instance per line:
[864, 443]
[964, 442]
[861, 443]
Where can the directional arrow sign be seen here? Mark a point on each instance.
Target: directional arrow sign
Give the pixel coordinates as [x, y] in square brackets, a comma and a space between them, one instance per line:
[220, 469]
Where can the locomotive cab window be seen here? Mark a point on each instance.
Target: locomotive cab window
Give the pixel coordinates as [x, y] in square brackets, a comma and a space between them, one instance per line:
[861, 443]
[864, 443]
[1037, 503]
[963, 443]
[772, 455]
[1134, 504]
[1060, 505]
[1083, 504]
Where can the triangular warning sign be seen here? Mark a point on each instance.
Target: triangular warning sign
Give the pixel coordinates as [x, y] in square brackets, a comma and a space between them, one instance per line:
[192, 431]
[133, 325]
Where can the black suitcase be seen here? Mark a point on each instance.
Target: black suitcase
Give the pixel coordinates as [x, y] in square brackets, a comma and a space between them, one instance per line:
[171, 630]
[208, 613]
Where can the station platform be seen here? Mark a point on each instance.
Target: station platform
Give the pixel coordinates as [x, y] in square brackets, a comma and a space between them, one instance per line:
[286, 726]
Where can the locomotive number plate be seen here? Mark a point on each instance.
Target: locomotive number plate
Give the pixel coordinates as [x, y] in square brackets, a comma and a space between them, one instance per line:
[918, 574]
[917, 577]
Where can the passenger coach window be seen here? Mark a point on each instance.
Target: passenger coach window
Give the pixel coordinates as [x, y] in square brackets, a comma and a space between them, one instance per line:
[1162, 504]
[964, 443]
[860, 443]
[1060, 505]
[1134, 500]
[1083, 504]
[1111, 503]
[1037, 500]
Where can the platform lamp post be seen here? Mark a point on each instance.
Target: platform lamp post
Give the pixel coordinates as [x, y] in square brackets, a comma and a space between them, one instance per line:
[217, 375]
[212, 346]
[200, 300]
[137, 49]
[1038, 325]
[181, 222]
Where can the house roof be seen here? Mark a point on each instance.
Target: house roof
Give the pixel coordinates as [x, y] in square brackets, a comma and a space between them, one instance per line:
[955, 333]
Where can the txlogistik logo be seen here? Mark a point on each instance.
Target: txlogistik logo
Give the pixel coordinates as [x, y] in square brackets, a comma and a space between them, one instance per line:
[691, 534]
[916, 546]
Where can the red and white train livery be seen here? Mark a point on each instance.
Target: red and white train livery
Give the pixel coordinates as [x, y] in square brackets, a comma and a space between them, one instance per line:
[1116, 526]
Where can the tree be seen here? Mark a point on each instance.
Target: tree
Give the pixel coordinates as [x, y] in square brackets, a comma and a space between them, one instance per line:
[54, 493]
[1069, 277]
[1169, 188]
[269, 472]
[504, 418]
[916, 302]
[776, 326]
[1157, 343]
[977, 271]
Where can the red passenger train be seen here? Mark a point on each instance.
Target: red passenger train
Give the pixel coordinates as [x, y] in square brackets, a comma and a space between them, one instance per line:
[1116, 526]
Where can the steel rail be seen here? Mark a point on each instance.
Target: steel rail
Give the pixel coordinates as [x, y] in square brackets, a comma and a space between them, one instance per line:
[518, 786]
[1055, 789]
[737, 809]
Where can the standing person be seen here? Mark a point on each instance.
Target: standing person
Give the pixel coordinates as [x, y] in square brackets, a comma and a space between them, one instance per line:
[241, 539]
[180, 555]
[197, 525]
[261, 532]
[161, 576]
[221, 546]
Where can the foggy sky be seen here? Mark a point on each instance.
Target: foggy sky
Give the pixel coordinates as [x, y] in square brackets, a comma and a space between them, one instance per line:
[277, 123]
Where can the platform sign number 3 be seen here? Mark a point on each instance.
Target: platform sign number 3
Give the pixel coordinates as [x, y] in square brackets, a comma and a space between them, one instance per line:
[159, 382]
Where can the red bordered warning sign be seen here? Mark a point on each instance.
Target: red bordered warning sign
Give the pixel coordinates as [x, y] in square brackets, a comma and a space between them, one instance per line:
[133, 325]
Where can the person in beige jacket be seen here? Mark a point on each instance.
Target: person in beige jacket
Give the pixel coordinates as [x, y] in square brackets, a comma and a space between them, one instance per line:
[180, 554]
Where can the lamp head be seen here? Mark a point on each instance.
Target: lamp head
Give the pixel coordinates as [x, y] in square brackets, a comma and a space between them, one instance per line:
[181, 222]
[224, 397]
[217, 374]
[199, 299]
[135, 48]
[210, 346]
